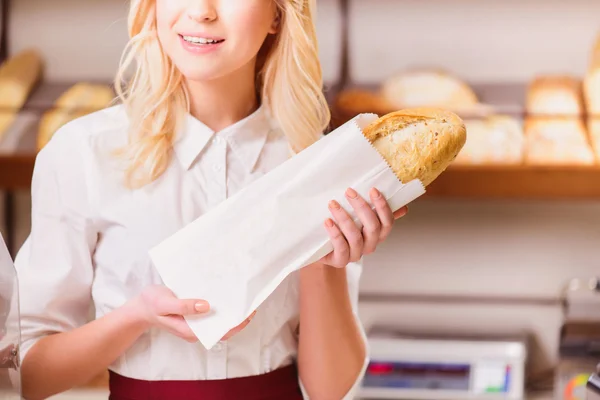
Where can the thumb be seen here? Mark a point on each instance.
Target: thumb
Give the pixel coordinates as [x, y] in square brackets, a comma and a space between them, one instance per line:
[175, 306]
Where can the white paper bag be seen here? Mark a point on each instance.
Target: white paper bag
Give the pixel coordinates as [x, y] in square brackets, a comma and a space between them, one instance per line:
[237, 254]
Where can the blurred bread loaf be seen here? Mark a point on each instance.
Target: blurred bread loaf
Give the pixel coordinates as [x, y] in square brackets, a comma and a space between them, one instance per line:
[428, 88]
[77, 101]
[593, 127]
[496, 140]
[358, 101]
[19, 75]
[591, 83]
[555, 96]
[418, 143]
[557, 141]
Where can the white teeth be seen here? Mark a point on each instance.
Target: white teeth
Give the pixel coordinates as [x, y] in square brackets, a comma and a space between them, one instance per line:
[197, 40]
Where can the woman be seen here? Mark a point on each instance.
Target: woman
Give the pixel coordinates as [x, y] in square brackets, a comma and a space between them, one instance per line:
[221, 91]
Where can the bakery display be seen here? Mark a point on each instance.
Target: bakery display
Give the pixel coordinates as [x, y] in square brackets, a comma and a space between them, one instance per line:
[79, 100]
[19, 75]
[496, 140]
[418, 143]
[557, 141]
[554, 95]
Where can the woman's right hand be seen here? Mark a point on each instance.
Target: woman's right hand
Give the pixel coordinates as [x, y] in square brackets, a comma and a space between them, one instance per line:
[159, 307]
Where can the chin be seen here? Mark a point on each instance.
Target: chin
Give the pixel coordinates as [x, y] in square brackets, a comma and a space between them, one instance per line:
[199, 75]
[202, 74]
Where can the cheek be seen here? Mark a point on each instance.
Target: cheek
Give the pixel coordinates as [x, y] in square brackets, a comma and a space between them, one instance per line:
[167, 12]
[251, 19]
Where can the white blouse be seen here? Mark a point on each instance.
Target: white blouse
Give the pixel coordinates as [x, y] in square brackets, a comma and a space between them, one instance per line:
[90, 238]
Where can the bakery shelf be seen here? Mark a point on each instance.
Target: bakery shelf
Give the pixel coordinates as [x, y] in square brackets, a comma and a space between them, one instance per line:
[16, 171]
[44, 96]
[17, 159]
[518, 182]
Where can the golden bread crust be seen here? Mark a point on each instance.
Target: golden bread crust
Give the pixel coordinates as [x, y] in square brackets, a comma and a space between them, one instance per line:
[418, 143]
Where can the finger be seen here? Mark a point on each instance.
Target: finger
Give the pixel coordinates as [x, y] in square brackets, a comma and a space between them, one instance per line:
[386, 216]
[349, 229]
[401, 212]
[340, 255]
[173, 306]
[251, 317]
[178, 327]
[239, 328]
[370, 220]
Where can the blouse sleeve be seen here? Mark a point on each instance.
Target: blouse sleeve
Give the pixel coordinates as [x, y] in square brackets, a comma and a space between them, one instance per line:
[54, 266]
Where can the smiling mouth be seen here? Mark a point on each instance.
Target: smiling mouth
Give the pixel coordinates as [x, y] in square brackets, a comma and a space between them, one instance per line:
[201, 41]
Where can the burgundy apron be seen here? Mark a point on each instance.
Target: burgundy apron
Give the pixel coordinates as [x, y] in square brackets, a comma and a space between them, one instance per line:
[281, 384]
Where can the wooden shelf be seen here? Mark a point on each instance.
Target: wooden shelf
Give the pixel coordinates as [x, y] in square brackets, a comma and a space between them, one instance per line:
[16, 171]
[518, 182]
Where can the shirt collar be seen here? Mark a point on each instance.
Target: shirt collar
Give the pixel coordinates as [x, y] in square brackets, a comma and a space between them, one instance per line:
[246, 138]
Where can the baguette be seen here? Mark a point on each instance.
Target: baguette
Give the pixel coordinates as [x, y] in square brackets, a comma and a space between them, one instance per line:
[18, 77]
[555, 96]
[418, 143]
[77, 101]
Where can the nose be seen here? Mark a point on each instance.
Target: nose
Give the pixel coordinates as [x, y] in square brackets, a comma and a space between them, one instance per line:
[202, 11]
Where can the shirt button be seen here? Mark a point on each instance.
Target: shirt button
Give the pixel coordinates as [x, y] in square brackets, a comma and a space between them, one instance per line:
[218, 347]
[217, 168]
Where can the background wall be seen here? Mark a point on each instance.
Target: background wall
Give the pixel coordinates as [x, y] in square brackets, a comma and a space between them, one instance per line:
[519, 250]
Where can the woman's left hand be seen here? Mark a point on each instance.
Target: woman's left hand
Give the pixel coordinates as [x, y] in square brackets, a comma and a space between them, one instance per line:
[351, 243]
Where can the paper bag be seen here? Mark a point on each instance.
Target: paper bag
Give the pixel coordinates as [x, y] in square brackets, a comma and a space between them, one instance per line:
[237, 254]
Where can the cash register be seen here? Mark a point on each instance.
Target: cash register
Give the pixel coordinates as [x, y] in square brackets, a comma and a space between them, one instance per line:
[424, 367]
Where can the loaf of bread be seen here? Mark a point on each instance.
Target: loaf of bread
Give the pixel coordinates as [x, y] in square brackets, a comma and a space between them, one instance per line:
[418, 143]
[593, 126]
[497, 140]
[549, 96]
[591, 83]
[428, 88]
[358, 101]
[557, 141]
[19, 75]
[77, 101]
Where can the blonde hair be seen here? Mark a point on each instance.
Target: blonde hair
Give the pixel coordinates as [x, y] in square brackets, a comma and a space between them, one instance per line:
[289, 80]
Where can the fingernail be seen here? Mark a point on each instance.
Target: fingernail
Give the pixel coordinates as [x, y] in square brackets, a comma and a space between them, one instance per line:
[375, 193]
[401, 212]
[329, 223]
[201, 307]
[334, 204]
[351, 193]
